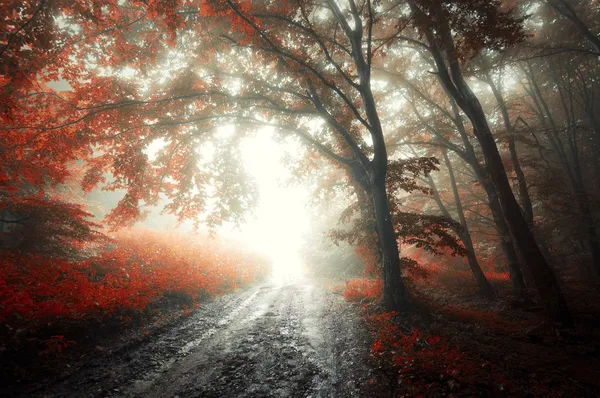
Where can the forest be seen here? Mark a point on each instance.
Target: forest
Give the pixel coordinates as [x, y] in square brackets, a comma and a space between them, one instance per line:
[267, 198]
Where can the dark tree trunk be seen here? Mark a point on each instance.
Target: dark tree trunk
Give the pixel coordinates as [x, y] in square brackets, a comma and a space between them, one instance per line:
[523, 191]
[485, 288]
[374, 190]
[450, 74]
[506, 240]
[362, 188]
[465, 236]
[514, 157]
[544, 278]
[394, 292]
[482, 282]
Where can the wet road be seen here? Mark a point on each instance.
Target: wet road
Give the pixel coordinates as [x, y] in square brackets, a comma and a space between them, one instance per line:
[274, 340]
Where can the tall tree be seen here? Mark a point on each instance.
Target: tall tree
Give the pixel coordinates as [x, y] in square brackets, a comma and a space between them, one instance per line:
[435, 21]
[484, 285]
[495, 85]
[309, 76]
[449, 131]
[568, 9]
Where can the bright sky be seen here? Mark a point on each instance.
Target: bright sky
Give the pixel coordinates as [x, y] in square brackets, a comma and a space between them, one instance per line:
[281, 220]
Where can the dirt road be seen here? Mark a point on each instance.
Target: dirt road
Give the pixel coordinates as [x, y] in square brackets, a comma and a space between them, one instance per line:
[289, 340]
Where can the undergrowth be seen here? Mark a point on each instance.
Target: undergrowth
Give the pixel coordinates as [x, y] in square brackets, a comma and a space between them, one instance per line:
[139, 268]
[420, 364]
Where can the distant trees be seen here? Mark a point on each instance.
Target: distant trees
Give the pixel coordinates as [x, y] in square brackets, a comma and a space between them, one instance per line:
[575, 12]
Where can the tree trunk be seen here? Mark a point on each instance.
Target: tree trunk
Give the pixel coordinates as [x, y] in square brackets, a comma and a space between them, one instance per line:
[360, 181]
[394, 292]
[484, 285]
[545, 280]
[523, 191]
[485, 288]
[506, 240]
[450, 73]
[514, 157]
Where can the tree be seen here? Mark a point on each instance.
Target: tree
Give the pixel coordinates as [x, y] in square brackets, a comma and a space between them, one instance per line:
[484, 285]
[310, 64]
[568, 10]
[572, 142]
[431, 233]
[445, 128]
[102, 82]
[496, 87]
[435, 22]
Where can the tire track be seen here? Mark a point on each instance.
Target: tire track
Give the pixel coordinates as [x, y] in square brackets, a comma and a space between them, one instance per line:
[294, 340]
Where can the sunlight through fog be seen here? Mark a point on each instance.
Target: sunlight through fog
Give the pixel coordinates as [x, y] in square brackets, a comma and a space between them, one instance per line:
[278, 226]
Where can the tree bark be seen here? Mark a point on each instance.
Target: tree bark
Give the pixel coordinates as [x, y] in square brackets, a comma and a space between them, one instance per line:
[482, 282]
[450, 74]
[394, 292]
[362, 188]
[514, 157]
[545, 280]
[506, 240]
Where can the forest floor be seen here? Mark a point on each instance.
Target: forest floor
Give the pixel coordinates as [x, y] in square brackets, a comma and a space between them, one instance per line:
[294, 339]
[302, 339]
[532, 357]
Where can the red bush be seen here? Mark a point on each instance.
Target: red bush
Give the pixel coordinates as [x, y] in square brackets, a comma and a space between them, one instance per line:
[368, 256]
[423, 364]
[363, 289]
[140, 268]
[427, 364]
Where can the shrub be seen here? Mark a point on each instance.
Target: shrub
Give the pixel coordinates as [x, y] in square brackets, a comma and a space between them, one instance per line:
[139, 268]
[363, 290]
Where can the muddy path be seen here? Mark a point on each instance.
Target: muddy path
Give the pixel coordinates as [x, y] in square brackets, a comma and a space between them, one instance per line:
[292, 340]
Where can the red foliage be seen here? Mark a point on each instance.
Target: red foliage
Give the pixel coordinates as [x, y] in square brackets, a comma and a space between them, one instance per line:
[370, 259]
[363, 289]
[47, 224]
[449, 272]
[500, 276]
[427, 364]
[141, 268]
[56, 344]
[424, 364]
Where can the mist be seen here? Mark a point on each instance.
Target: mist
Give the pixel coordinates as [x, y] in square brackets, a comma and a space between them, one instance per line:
[311, 198]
